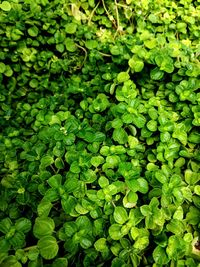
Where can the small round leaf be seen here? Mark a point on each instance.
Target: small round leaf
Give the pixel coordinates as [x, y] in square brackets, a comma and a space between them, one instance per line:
[5, 6]
[48, 247]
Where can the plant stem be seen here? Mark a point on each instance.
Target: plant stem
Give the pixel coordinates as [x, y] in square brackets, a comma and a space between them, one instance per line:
[109, 16]
[85, 51]
[28, 248]
[92, 13]
[53, 168]
[117, 14]
[105, 55]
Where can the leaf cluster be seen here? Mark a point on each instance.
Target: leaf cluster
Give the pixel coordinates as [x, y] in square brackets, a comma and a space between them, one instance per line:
[99, 141]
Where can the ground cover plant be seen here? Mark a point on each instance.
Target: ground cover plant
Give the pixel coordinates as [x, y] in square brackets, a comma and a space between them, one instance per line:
[99, 140]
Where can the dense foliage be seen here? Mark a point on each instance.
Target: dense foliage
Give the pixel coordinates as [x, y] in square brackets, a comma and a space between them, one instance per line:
[99, 141]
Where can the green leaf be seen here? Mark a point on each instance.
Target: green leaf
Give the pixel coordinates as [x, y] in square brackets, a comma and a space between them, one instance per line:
[60, 262]
[43, 226]
[84, 223]
[176, 227]
[54, 119]
[150, 43]
[116, 50]
[70, 228]
[112, 161]
[18, 240]
[74, 167]
[139, 121]
[51, 195]
[197, 190]
[91, 44]
[115, 231]
[120, 136]
[89, 176]
[194, 137]
[5, 225]
[20, 254]
[117, 123]
[118, 150]
[167, 65]
[181, 135]
[10, 261]
[153, 18]
[103, 181]
[133, 185]
[132, 141]
[48, 247]
[59, 163]
[97, 160]
[145, 210]
[135, 216]
[176, 247]
[136, 64]
[160, 176]
[100, 103]
[116, 262]
[70, 28]
[123, 77]
[33, 31]
[156, 74]
[160, 256]
[152, 125]
[100, 245]
[191, 177]
[80, 209]
[91, 136]
[120, 215]
[71, 184]
[141, 243]
[46, 161]
[33, 253]
[4, 246]
[178, 214]
[5, 6]
[70, 45]
[2, 67]
[139, 65]
[44, 208]
[60, 48]
[55, 181]
[130, 200]
[143, 186]
[8, 72]
[69, 204]
[187, 194]
[193, 216]
[23, 225]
